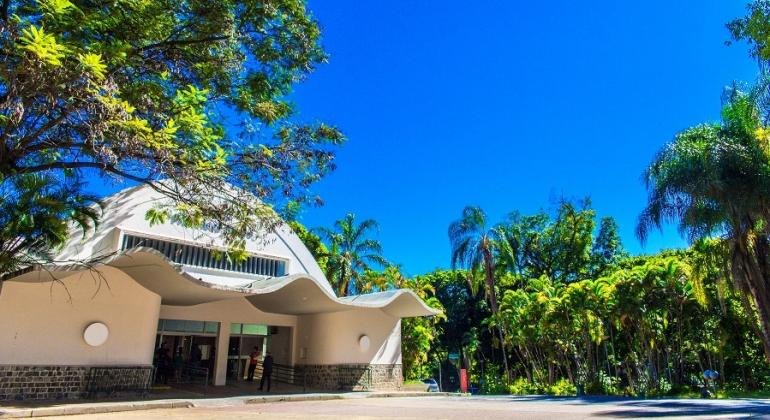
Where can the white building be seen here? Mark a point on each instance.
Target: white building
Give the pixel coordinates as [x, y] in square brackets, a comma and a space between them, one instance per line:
[160, 284]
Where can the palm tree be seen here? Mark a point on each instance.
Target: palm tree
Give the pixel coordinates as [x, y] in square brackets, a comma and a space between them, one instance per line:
[473, 247]
[36, 215]
[714, 180]
[351, 252]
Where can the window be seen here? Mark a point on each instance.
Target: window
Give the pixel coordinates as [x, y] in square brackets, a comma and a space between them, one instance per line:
[248, 329]
[186, 326]
[203, 257]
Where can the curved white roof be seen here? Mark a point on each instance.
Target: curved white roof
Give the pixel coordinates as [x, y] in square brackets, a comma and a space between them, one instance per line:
[297, 294]
[303, 289]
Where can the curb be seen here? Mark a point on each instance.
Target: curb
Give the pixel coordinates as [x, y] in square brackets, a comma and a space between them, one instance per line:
[101, 408]
[92, 409]
[349, 396]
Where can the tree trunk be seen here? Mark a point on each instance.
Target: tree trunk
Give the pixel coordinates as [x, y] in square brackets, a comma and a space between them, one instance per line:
[489, 279]
[343, 282]
[760, 294]
[752, 267]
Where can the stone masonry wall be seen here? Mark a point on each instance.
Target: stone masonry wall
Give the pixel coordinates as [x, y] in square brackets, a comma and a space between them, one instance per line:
[70, 382]
[355, 377]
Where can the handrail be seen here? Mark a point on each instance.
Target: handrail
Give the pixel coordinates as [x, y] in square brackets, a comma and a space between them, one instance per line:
[191, 371]
[281, 373]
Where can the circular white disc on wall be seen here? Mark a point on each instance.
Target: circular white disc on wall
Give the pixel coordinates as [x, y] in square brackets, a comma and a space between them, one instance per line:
[96, 334]
[363, 342]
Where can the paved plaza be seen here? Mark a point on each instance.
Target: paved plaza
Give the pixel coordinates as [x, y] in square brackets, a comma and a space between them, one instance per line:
[458, 408]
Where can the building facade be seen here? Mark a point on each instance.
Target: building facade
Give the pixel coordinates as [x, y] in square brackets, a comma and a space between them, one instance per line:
[97, 317]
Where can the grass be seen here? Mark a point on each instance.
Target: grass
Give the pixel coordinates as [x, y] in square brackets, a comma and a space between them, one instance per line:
[744, 394]
[725, 394]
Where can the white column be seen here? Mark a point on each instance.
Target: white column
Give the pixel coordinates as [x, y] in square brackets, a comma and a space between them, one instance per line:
[223, 347]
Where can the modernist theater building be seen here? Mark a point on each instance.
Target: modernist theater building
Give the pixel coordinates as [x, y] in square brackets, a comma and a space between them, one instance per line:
[64, 325]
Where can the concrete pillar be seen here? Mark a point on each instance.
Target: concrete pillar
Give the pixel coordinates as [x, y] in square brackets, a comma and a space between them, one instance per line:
[223, 347]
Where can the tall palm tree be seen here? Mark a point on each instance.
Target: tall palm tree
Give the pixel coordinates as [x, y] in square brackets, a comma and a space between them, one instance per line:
[714, 180]
[473, 248]
[351, 252]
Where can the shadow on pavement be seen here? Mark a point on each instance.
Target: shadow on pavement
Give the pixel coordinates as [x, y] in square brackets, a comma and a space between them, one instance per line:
[677, 408]
[621, 407]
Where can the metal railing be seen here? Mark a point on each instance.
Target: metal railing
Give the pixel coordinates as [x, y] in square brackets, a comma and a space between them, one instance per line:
[112, 380]
[192, 374]
[281, 373]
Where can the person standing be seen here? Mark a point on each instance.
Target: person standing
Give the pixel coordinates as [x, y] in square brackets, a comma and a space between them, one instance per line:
[267, 372]
[196, 355]
[253, 360]
[164, 365]
[178, 365]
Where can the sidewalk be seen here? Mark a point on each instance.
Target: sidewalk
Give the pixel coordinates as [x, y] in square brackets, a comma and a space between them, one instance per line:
[74, 408]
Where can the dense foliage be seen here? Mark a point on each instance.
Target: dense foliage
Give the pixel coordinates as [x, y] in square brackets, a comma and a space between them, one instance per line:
[714, 180]
[576, 312]
[610, 324]
[188, 97]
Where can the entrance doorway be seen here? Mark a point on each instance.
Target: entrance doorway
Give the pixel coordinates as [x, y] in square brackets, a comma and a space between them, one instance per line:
[243, 339]
[195, 341]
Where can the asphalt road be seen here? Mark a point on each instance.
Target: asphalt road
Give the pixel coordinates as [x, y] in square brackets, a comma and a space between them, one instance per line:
[462, 408]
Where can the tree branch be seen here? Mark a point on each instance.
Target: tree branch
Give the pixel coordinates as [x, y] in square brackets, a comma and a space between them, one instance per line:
[4, 12]
[81, 165]
[47, 126]
[184, 42]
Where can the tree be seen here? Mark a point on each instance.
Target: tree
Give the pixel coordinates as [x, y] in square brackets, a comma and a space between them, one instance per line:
[714, 179]
[473, 247]
[607, 248]
[185, 96]
[351, 253]
[36, 216]
[560, 247]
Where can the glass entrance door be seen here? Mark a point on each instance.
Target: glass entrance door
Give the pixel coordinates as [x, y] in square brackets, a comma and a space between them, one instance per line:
[243, 339]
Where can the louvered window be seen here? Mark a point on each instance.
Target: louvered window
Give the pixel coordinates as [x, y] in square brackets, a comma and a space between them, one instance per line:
[203, 257]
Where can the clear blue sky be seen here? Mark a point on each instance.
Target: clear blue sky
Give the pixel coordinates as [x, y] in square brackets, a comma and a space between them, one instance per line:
[508, 105]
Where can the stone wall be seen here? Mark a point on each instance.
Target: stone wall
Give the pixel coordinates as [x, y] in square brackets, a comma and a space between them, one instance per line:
[353, 377]
[71, 382]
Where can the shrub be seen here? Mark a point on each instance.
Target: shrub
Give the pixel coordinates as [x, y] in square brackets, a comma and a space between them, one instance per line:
[521, 386]
[562, 387]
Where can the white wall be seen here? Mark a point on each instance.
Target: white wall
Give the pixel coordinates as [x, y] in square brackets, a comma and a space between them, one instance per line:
[43, 323]
[279, 345]
[333, 338]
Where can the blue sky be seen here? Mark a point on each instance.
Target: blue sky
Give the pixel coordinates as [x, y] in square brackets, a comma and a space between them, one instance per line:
[508, 105]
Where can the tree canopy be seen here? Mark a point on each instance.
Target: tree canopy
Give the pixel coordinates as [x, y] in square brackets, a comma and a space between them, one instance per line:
[714, 180]
[351, 253]
[186, 96]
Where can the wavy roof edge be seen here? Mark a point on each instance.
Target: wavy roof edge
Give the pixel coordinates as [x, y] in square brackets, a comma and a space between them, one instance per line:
[297, 294]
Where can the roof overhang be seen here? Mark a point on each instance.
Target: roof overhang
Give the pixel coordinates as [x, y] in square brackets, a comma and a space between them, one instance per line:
[299, 294]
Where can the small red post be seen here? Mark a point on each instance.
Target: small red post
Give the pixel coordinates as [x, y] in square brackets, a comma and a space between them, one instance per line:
[463, 380]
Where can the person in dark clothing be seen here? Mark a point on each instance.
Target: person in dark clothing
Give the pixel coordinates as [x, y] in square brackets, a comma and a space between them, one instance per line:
[195, 356]
[253, 360]
[267, 372]
[178, 365]
[164, 365]
[212, 359]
